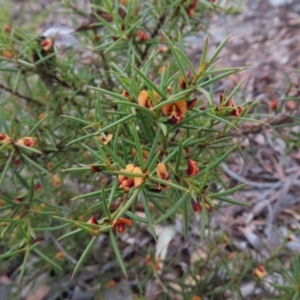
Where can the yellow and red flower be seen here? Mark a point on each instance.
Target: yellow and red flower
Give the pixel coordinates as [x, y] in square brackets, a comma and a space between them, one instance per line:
[95, 169]
[120, 224]
[162, 173]
[191, 8]
[4, 138]
[106, 139]
[175, 111]
[46, 44]
[92, 220]
[260, 272]
[26, 141]
[127, 182]
[125, 94]
[142, 35]
[192, 169]
[144, 99]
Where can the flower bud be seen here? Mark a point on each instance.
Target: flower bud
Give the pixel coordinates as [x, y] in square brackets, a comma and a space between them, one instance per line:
[260, 272]
[7, 54]
[142, 35]
[95, 169]
[121, 228]
[196, 205]
[125, 94]
[47, 44]
[192, 169]
[37, 186]
[192, 103]
[4, 138]
[193, 5]
[26, 141]
[182, 82]
[92, 220]
[7, 28]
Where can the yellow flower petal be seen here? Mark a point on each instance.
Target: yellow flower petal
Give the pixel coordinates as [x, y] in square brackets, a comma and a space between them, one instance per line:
[181, 107]
[137, 181]
[167, 109]
[143, 99]
[162, 171]
[129, 168]
[4, 138]
[260, 272]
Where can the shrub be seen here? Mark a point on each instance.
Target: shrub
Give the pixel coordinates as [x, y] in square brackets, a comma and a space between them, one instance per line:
[121, 118]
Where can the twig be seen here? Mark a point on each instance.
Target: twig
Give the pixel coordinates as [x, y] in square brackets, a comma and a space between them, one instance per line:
[259, 185]
[106, 68]
[29, 99]
[60, 247]
[272, 121]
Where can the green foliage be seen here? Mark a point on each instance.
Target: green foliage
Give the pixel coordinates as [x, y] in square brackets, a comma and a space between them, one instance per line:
[122, 119]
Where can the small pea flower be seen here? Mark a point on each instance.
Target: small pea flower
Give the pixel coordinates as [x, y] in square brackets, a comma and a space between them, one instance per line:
[37, 186]
[260, 272]
[142, 35]
[163, 49]
[106, 139]
[127, 182]
[56, 181]
[26, 141]
[120, 224]
[95, 169]
[196, 205]
[92, 220]
[191, 8]
[125, 94]
[46, 44]
[145, 100]
[162, 173]
[7, 28]
[175, 111]
[183, 83]
[192, 169]
[7, 54]
[4, 138]
[273, 104]
[193, 4]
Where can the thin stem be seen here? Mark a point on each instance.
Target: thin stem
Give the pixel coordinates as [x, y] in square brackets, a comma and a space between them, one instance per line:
[29, 99]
